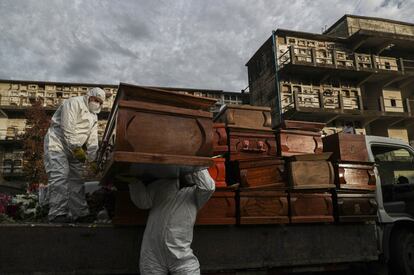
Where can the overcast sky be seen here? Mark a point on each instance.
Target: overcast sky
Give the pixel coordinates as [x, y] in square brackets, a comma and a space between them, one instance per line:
[194, 44]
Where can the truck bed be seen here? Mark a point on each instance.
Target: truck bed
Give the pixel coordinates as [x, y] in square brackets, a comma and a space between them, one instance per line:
[105, 249]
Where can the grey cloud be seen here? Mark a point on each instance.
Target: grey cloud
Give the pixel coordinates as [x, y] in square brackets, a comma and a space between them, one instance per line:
[82, 61]
[199, 43]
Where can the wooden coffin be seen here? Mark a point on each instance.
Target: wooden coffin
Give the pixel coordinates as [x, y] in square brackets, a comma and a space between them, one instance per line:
[298, 142]
[355, 176]
[156, 133]
[126, 213]
[308, 126]
[248, 144]
[353, 207]
[311, 207]
[263, 207]
[218, 172]
[346, 147]
[308, 174]
[220, 209]
[220, 145]
[258, 173]
[245, 116]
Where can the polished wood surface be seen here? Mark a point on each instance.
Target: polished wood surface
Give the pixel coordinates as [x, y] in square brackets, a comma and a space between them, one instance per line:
[220, 143]
[251, 144]
[149, 127]
[297, 142]
[220, 209]
[307, 174]
[353, 207]
[256, 173]
[355, 176]
[263, 207]
[311, 207]
[218, 172]
[346, 147]
[302, 125]
[245, 116]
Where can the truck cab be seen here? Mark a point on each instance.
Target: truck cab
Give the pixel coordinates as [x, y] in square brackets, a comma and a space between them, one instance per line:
[394, 161]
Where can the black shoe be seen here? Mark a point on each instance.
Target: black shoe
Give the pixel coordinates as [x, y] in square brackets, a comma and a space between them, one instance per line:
[61, 219]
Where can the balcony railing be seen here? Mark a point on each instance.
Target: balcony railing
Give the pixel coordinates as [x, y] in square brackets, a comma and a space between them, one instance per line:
[20, 101]
[320, 101]
[341, 59]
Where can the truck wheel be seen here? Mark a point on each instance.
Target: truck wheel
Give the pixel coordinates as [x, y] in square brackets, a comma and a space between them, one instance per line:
[402, 252]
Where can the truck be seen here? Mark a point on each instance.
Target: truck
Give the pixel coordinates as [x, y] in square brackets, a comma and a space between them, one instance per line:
[386, 244]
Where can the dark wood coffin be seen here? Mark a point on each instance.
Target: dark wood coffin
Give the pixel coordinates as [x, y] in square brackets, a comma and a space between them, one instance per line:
[263, 207]
[220, 145]
[311, 207]
[308, 174]
[248, 144]
[220, 209]
[346, 147]
[298, 142]
[245, 116]
[155, 133]
[218, 172]
[353, 207]
[355, 176]
[302, 125]
[126, 213]
[258, 173]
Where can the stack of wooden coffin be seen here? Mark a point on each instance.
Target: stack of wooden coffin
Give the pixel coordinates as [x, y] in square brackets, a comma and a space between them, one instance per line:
[253, 165]
[311, 175]
[354, 178]
[263, 176]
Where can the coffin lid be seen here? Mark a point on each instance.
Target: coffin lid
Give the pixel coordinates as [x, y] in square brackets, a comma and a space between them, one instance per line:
[241, 107]
[159, 96]
[301, 125]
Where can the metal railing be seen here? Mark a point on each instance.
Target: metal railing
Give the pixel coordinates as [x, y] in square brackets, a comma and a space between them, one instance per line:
[332, 58]
[320, 101]
[21, 101]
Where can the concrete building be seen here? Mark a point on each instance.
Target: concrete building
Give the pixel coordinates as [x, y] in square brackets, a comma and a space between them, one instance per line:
[16, 96]
[359, 71]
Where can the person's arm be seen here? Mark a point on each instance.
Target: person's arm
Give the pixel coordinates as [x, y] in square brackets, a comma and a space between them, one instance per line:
[68, 119]
[92, 142]
[140, 195]
[205, 186]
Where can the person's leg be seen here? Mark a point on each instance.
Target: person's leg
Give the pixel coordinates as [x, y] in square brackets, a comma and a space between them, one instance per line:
[189, 266]
[78, 206]
[151, 264]
[57, 169]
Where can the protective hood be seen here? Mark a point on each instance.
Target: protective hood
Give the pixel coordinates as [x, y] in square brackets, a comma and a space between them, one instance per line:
[98, 92]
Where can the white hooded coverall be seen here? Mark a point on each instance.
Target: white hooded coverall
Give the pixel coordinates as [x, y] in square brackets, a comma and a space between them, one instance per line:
[169, 230]
[72, 126]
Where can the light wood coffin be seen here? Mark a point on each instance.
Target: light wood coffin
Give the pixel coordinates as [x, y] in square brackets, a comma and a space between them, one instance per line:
[152, 133]
[311, 174]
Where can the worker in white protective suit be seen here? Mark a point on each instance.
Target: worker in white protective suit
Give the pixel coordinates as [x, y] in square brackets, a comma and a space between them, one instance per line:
[72, 139]
[173, 205]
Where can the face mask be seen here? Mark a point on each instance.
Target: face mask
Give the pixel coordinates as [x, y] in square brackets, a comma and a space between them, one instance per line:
[94, 107]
